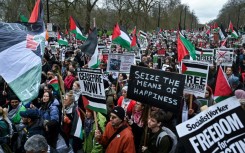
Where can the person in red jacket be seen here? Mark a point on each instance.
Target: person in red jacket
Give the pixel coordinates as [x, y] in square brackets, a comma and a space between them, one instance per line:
[69, 80]
[123, 141]
[126, 103]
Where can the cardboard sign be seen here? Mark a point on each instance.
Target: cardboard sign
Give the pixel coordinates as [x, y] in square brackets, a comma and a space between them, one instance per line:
[219, 129]
[156, 88]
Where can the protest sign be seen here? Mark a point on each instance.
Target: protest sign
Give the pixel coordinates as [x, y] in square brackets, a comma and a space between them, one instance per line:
[156, 88]
[205, 55]
[219, 129]
[196, 77]
[120, 62]
[92, 88]
[224, 56]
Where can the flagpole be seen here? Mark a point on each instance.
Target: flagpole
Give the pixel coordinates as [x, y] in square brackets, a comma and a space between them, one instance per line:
[191, 99]
[96, 121]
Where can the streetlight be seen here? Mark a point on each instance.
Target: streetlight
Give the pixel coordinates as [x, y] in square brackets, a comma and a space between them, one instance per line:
[159, 11]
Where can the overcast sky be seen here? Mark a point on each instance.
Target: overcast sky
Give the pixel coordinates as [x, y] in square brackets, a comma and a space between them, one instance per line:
[205, 10]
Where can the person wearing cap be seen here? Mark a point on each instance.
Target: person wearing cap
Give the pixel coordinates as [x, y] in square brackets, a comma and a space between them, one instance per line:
[123, 141]
[36, 144]
[33, 125]
[126, 103]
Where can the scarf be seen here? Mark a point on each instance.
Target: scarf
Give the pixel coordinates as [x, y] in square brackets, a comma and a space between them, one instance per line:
[68, 109]
[76, 94]
[88, 125]
[13, 112]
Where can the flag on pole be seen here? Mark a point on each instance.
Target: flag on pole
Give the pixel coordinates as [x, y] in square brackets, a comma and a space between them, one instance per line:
[76, 29]
[233, 31]
[142, 34]
[121, 37]
[62, 40]
[21, 50]
[222, 33]
[77, 126]
[223, 91]
[90, 48]
[185, 47]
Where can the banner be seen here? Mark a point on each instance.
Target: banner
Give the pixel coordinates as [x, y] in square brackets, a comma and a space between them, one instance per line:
[219, 129]
[156, 88]
[224, 56]
[196, 77]
[205, 55]
[120, 62]
[92, 88]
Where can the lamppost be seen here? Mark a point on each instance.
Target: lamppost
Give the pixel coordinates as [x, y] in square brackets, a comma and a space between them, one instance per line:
[47, 10]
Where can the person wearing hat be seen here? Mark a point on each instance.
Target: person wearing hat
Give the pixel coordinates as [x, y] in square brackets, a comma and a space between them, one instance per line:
[117, 136]
[33, 125]
[126, 103]
[14, 109]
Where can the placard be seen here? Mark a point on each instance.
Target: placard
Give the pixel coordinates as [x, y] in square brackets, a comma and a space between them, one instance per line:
[156, 87]
[92, 89]
[224, 56]
[219, 129]
[196, 73]
[120, 62]
[205, 55]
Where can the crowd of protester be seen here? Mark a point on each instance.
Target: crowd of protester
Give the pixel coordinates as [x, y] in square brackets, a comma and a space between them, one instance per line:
[45, 124]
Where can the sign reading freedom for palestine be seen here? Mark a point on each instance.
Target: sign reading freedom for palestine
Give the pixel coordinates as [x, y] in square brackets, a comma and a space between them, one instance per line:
[156, 88]
[219, 129]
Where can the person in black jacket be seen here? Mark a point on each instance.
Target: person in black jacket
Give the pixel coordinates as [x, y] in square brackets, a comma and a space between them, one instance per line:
[32, 125]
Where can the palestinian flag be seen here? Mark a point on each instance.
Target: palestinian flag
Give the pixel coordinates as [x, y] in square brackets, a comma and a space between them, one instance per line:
[62, 40]
[194, 68]
[233, 31]
[97, 105]
[222, 33]
[121, 37]
[76, 29]
[77, 126]
[134, 40]
[142, 34]
[90, 48]
[185, 47]
[21, 50]
[223, 91]
[55, 84]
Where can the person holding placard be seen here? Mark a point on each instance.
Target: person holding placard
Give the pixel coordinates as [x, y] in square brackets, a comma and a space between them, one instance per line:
[159, 140]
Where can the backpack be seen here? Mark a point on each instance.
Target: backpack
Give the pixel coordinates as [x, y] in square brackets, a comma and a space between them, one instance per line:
[168, 132]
